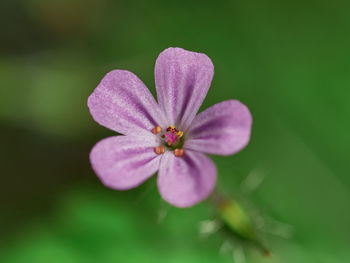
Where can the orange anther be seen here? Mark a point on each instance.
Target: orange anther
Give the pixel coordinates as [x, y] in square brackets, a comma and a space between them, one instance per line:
[157, 130]
[179, 152]
[159, 149]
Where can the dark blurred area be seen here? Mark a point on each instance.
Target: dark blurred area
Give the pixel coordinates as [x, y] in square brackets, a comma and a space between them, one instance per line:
[288, 61]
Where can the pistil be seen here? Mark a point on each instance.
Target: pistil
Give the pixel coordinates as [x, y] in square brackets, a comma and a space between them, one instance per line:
[172, 135]
[172, 139]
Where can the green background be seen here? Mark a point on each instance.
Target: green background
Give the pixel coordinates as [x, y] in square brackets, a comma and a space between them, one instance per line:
[288, 61]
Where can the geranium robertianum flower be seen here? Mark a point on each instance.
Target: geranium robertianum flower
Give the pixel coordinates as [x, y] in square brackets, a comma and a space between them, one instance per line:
[166, 136]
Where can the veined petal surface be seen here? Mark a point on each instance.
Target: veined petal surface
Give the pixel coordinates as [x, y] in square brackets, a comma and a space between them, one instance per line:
[182, 81]
[121, 102]
[185, 181]
[124, 162]
[222, 129]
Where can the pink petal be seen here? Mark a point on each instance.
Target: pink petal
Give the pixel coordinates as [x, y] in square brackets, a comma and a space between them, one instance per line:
[121, 102]
[222, 129]
[124, 162]
[182, 82]
[185, 181]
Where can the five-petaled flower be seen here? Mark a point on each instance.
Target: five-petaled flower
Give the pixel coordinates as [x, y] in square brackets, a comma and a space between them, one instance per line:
[167, 136]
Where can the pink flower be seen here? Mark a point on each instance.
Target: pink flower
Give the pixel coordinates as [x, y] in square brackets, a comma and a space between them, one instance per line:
[167, 136]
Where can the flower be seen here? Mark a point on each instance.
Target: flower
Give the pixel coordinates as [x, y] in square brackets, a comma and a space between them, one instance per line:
[167, 136]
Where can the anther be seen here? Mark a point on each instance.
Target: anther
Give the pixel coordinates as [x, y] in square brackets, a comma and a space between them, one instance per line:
[157, 130]
[179, 152]
[159, 149]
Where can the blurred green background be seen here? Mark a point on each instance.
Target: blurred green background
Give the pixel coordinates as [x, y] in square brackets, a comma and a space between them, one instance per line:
[289, 61]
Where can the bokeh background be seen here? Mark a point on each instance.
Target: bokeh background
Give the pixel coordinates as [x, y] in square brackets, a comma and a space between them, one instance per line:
[289, 61]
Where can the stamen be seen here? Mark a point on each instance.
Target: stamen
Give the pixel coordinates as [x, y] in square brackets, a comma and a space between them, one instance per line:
[179, 133]
[157, 130]
[172, 139]
[179, 152]
[159, 149]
